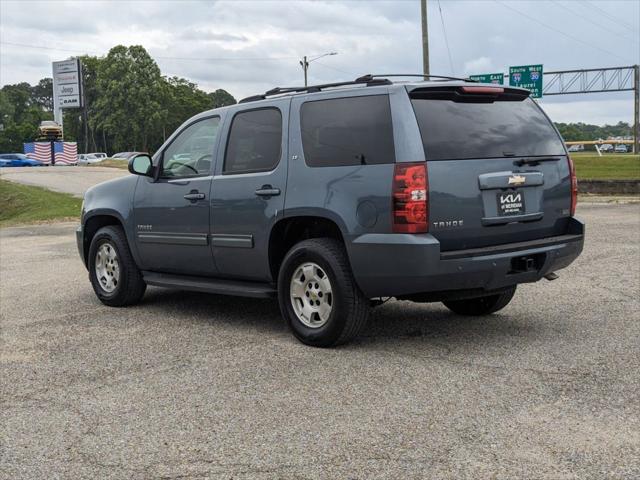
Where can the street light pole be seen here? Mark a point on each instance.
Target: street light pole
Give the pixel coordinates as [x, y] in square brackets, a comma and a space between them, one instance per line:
[304, 63]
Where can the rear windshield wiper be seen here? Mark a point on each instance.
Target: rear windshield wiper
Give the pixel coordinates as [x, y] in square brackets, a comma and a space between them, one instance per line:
[534, 161]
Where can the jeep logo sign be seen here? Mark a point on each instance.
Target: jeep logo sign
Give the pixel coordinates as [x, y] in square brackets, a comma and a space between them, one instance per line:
[70, 89]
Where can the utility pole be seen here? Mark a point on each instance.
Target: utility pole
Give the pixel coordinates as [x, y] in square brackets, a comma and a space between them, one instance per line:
[636, 111]
[304, 63]
[425, 37]
[305, 67]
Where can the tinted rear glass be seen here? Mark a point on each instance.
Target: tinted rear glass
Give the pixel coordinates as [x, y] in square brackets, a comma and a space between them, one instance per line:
[347, 131]
[255, 141]
[459, 130]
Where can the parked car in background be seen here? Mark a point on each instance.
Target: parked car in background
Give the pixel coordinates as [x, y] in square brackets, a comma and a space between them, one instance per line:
[99, 155]
[576, 148]
[621, 148]
[18, 160]
[607, 147]
[89, 158]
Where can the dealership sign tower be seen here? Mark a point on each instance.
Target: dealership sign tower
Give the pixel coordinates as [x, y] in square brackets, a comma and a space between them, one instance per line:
[67, 87]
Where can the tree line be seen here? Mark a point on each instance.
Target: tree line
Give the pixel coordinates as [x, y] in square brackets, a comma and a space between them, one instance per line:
[572, 132]
[130, 105]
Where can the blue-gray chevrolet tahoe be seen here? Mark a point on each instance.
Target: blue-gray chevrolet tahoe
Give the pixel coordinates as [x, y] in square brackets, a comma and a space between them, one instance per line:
[335, 197]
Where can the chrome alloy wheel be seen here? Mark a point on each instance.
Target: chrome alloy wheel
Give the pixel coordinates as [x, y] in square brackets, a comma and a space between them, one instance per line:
[311, 295]
[107, 267]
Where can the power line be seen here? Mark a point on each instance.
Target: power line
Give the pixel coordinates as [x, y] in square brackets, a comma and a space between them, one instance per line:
[219, 59]
[576, 39]
[41, 47]
[336, 69]
[446, 39]
[573, 12]
[611, 17]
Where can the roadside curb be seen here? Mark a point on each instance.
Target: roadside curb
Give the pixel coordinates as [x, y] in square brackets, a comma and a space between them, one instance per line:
[591, 199]
[609, 187]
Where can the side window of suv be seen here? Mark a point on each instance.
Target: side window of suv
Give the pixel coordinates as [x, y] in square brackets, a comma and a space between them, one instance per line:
[191, 152]
[347, 131]
[255, 141]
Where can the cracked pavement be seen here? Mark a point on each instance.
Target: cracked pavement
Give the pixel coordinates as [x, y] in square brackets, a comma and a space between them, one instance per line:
[189, 385]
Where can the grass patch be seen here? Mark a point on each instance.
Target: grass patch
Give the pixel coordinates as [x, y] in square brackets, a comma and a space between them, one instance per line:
[617, 166]
[20, 204]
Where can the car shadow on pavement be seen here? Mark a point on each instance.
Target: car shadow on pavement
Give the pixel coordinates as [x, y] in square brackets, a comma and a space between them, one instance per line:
[398, 320]
[213, 309]
[405, 319]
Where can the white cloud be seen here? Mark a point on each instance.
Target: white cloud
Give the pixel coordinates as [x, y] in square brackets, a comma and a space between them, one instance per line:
[479, 65]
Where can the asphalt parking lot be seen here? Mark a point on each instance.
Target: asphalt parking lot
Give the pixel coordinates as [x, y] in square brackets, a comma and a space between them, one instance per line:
[74, 180]
[191, 385]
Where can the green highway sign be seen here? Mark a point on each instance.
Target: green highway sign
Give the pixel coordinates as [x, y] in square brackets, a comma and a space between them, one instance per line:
[497, 78]
[527, 76]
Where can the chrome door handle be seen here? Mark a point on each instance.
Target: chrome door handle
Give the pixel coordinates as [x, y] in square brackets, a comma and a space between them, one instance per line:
[267, 191]
[193, 196]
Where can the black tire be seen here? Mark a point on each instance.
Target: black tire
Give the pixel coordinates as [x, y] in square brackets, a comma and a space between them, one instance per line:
[130, 286]
[481, 305]
[349, 309]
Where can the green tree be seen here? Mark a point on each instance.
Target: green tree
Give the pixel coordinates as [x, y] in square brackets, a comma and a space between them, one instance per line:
[13, 137]
[19, 96]
[7, 109]
[20, 116]
[129, 105]
[129, 97]
[183, 100]
[42, 94]
[221, 98]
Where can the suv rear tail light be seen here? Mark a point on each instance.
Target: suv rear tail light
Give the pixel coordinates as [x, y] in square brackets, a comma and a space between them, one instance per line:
[410, 192]
[574, 186]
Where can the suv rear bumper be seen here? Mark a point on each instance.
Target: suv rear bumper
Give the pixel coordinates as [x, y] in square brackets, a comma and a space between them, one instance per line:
[404, 264]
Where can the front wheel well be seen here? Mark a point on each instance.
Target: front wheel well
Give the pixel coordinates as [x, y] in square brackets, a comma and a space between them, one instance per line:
[289, 231]
[91, 226]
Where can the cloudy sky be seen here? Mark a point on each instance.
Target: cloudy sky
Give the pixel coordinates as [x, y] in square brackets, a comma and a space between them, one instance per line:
[247, 47]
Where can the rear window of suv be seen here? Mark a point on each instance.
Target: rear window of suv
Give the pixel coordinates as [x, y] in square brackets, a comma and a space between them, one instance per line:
[506, 127]
[347, 131]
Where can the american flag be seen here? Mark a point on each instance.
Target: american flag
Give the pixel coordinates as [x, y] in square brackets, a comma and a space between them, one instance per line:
[66, 152]
[40, 151]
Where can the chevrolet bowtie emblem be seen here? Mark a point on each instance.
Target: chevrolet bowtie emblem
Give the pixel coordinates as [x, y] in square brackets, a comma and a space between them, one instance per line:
[517, 180]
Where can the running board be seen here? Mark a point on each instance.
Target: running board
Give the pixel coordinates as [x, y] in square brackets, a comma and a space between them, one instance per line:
[210, 285]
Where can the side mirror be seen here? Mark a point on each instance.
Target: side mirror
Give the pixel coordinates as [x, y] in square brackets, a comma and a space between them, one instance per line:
[141, 165]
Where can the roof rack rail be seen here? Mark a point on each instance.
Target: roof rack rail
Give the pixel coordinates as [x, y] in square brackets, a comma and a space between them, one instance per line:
[366, 79]
[442, 77]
